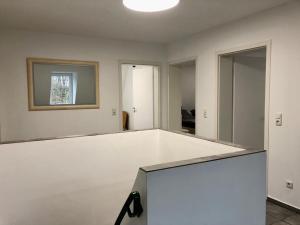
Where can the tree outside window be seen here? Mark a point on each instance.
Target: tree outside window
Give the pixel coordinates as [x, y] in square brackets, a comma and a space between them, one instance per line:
[61, 89]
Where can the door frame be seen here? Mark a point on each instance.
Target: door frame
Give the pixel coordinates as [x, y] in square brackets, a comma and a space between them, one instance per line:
[143, 63]
[268, 46]
[174, 63]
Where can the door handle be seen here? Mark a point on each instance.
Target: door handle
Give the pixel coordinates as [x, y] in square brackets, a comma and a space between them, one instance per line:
[134, 109]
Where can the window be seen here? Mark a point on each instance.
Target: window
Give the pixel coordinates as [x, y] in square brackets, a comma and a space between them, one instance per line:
[61, 89]
[59, 84]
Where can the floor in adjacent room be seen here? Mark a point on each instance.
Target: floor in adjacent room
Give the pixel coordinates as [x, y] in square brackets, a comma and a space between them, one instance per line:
[277, 215]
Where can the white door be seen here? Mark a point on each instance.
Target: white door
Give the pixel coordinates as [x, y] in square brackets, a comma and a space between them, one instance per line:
[225, 122]
[249, 101]
[175, 99]
[143, 97]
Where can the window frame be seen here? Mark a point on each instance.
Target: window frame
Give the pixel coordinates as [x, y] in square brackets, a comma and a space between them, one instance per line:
[30, 84]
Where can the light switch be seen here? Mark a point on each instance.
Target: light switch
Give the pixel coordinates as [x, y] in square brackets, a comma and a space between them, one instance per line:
[278, 119]
[290, 185]
[205, 113]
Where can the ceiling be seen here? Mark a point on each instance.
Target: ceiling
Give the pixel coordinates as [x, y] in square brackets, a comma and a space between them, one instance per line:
[109, 18]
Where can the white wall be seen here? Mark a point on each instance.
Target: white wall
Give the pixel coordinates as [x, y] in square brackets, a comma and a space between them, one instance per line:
[86, 180]
[76, 181]
[281, 25]
[17, 45]
[188, 86]
[176, 147]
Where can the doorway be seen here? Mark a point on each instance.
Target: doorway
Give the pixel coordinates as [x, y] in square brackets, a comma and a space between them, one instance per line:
[182, 94]
[140, 96]
[242, 97]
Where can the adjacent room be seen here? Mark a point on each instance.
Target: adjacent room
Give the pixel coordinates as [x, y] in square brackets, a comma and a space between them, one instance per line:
[140, 97]
[242, 95]
[182, 94]
[149, 112]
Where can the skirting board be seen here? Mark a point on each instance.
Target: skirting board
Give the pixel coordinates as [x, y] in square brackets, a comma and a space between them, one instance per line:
[284, 205]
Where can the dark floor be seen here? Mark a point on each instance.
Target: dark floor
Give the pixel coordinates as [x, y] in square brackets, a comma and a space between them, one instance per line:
[277, 215]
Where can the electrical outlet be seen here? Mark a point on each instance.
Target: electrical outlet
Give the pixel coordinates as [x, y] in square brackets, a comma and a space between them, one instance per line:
[289, 185]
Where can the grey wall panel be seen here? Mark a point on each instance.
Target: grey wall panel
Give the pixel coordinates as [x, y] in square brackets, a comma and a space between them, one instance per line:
[224, 192]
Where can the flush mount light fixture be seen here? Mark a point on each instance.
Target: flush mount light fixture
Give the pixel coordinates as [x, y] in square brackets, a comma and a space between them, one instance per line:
[150, 5]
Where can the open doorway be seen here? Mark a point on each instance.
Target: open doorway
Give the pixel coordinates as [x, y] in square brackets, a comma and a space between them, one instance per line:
[140, 96]
[242, 97]
[182, 82]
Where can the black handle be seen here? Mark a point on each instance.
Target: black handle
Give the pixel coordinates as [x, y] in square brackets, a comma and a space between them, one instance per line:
[135, 198]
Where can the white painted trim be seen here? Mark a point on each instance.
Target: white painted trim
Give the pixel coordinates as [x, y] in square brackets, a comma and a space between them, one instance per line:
[196, 95]
[182, 60]
[233, 97]
[159, 98]
[139, 62]
[174, 63]
[268, 45]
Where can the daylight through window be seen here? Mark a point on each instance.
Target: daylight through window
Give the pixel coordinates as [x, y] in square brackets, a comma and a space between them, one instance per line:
[61, 89]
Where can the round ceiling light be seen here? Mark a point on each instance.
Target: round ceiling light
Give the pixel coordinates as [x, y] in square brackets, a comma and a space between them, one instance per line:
[150, 5]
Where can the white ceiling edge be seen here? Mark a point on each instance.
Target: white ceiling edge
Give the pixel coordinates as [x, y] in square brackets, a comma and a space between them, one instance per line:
[233, 22]
[110, 37]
